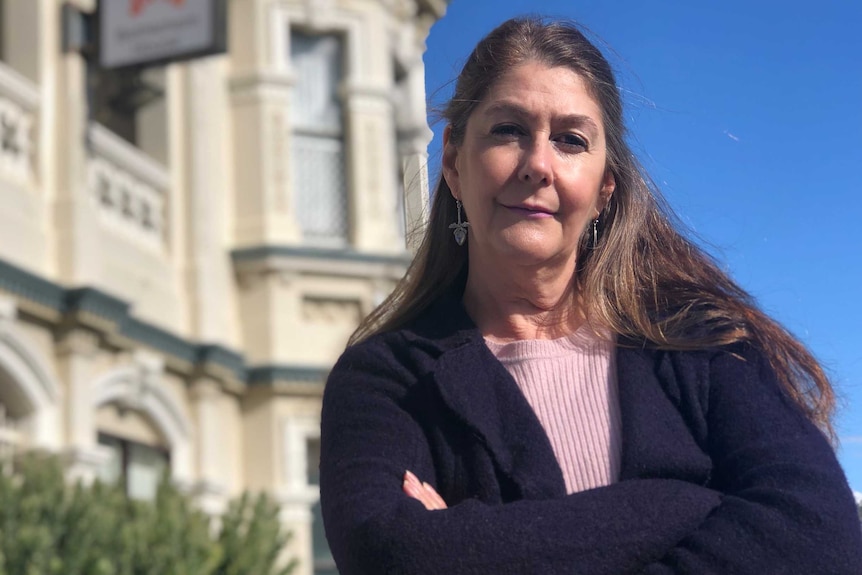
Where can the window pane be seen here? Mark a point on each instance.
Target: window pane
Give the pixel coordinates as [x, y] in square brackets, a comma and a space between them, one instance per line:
[316, 61]
[318, 535]
[111, 470]
[146, 468]
[319, 187]
[8, 436]
[323, 562]
[312, 461]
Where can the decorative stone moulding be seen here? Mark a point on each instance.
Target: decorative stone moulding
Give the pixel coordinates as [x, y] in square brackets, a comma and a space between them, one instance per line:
[19, 101]
[92, 312]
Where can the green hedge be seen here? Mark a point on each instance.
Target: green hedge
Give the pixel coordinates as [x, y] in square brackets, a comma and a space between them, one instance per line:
[50, 528]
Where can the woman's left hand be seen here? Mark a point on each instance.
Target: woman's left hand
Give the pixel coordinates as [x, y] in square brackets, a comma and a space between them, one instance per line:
[422, 492]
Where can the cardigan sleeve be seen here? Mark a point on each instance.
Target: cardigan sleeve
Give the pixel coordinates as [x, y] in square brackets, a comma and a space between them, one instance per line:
[786, 506]
[368, 440]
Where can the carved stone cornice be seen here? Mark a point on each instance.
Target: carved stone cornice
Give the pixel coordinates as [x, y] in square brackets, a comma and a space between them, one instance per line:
[87, 318]
[256, 260]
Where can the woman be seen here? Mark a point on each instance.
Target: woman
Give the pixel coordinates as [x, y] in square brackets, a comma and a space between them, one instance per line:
[562, 383]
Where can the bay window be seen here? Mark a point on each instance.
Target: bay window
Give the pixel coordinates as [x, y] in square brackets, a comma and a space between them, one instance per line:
[318, 150]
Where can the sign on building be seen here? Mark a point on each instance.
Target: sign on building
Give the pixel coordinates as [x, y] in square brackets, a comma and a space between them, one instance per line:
[144, 32]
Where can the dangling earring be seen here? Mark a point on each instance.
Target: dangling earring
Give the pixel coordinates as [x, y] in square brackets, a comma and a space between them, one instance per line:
[459, 228]
[594, 237]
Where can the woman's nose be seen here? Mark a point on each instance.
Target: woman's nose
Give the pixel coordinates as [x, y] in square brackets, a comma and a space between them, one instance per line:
[536, 163]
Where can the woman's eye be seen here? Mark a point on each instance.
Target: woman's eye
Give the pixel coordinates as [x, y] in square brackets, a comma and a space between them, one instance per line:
[572, 141]
[507, 130]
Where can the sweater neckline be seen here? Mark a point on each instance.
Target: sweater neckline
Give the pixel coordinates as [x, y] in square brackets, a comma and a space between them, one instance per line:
[582, 339]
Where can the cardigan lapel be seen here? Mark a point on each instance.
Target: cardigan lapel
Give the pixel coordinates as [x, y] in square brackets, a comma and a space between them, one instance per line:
[482, 395]
[656, 441]
[480, 392]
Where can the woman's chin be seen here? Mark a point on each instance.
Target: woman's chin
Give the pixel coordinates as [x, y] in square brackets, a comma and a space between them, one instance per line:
[528, 252]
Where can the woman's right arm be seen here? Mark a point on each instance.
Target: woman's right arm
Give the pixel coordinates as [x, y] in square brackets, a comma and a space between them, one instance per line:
[369, 441]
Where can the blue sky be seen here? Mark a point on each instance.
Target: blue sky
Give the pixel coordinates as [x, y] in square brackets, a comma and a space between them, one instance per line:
[749, 117]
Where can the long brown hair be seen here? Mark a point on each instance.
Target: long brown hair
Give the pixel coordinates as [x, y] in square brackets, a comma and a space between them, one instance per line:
[644, 279]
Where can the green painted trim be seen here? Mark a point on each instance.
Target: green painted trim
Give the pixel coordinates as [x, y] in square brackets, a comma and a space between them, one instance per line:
[160, 339]
[94, 301]
[220, 355]
[270, 374]
[32, 287]
[268, 251]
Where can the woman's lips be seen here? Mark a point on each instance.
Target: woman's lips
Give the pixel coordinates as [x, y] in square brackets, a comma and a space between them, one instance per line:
[530, 212]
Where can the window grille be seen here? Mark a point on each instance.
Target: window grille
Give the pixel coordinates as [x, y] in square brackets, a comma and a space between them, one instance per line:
[318, 154]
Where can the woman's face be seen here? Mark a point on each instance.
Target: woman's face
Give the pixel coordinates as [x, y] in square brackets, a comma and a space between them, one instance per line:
[530, 170]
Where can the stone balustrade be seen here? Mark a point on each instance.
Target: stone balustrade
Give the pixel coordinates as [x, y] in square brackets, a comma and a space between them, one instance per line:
[19, 102]
[130, 188]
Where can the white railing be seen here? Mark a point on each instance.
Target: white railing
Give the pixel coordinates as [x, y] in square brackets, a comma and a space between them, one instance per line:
[129, 187]
[19, 101]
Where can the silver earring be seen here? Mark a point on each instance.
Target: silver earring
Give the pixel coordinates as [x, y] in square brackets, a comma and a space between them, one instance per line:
[459, 228]
[594, 239]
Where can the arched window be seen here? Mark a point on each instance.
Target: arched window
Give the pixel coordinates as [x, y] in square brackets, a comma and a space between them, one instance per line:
[28, 395]
[139, 457]
[142, 426]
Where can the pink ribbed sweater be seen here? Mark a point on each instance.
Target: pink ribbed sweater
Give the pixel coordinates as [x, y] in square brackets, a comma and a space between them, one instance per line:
[571, 385]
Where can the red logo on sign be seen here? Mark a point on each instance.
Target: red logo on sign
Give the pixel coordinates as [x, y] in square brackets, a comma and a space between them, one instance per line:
[136, 7]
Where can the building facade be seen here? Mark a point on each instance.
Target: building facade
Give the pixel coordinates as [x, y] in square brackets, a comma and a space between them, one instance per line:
[185, 249]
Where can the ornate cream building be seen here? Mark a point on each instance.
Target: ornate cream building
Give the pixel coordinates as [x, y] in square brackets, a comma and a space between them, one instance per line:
[182, 259]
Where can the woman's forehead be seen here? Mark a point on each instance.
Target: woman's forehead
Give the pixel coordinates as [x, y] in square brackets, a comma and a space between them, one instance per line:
[534, 88]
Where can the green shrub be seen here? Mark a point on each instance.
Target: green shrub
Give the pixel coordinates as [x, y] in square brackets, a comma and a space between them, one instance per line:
[50, 528]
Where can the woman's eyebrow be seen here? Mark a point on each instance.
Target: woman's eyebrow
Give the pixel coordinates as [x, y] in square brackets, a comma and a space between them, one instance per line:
[507, 109]
[504, 108]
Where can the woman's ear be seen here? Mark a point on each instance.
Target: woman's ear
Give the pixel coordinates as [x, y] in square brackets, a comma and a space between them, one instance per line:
[450, 168]
[608, 186]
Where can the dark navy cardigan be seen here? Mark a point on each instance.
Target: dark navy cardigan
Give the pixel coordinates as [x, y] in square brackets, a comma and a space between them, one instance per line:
[721, 472]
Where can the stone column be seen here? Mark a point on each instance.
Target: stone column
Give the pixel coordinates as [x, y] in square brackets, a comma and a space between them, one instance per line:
[372, 168]
[76, 355]
[204, 158]
[260, 94]
[414, 149]
[76, 223]
[210, 489]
